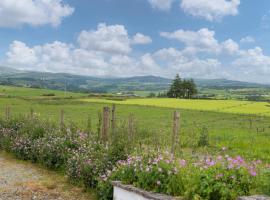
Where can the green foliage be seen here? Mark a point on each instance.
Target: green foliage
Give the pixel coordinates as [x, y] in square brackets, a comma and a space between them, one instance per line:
[223, 178]
[264, 183]
[182, 88]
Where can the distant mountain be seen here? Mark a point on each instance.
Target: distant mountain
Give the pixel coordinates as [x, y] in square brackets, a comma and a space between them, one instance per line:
[224, 83]
[62, 81]
[8, 71]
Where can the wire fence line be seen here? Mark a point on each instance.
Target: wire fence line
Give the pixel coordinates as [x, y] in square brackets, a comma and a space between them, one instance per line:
[160, 130]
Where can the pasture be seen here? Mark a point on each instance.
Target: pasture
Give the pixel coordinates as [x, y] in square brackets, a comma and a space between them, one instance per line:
[242, 127]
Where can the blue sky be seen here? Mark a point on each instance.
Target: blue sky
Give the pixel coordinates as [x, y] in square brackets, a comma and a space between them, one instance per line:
[195, 38]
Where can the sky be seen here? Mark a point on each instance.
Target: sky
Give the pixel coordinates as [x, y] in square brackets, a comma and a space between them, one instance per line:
[121, 38]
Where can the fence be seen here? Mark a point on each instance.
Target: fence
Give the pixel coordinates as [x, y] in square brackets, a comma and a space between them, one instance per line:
[164, 129]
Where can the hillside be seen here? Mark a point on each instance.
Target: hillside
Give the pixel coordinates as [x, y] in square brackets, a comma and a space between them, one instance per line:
[62, 81]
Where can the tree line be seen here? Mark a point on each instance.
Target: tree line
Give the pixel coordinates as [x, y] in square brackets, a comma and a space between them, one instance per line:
[182, 88]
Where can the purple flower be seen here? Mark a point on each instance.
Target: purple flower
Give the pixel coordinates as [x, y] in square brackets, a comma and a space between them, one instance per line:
[182, 163]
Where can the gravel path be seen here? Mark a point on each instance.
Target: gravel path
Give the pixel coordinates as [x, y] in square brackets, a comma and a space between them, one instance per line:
[24, 181]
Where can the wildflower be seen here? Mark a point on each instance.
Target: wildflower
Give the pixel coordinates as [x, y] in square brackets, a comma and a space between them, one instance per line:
[219, 157]
[253, 172]
[183, 163]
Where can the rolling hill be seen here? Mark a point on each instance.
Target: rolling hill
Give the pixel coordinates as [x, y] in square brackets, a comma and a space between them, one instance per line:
[62, 81]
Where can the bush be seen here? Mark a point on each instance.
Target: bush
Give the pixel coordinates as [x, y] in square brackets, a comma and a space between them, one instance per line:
[52, 152]
[49, 95]
[22, 148]
[223, 178]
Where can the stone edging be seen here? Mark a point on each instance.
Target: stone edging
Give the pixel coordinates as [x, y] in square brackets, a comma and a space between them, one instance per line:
[254, 198]
[145, 194]
[155, 196]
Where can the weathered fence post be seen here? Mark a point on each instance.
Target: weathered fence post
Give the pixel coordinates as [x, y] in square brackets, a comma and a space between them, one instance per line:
[99, 124]
[113, 121]
[8, 112]
[106, 123]
[130, 127]
[176, 128]
[62, 123]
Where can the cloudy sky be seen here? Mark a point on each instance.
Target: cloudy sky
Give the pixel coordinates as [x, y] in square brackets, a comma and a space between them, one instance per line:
[195, 38]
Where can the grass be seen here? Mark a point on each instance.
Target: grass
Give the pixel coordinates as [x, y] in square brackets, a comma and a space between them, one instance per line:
[224, 106]
[229, 122]
[34, 93]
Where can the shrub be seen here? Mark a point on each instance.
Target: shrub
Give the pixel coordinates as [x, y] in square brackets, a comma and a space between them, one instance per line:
[48, 95]
[52, 152]
[22, 148]
[223, 178]
[7, 136]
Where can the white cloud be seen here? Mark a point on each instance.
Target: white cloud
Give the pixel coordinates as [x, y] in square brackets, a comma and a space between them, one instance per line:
[141, 39]
[230, 47]
[252, 65]
[211, 10]
[202, 56]
[163, 5]
[174, 61]
[202, 40]
[15, 13]
[110, 39]
[247, 39]
[22, 54]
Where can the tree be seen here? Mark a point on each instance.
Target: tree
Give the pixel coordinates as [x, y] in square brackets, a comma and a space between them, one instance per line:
[176, 88]
[182, 88]
[151, 95]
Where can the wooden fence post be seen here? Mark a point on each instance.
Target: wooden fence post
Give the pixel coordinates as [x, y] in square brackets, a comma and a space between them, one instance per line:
[176, 128]
[106, 123]
[113, 121]
[62, 123]
[130, 127]
[8, 112]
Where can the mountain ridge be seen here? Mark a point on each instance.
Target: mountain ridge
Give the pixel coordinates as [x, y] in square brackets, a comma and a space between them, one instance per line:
[61, 81]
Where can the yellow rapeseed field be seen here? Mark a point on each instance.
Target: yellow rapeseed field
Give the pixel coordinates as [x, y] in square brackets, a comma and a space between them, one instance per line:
[228, 106]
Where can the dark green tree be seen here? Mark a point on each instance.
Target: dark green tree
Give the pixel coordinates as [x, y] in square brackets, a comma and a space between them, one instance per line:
[176, 88]
[182, 88]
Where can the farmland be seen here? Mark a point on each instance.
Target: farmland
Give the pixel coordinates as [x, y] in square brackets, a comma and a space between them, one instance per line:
[224, 106]
[241, 126]
[73, 133]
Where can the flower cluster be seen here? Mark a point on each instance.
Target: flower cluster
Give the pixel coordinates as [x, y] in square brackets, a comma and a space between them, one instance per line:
[85, 159]
[221, 176]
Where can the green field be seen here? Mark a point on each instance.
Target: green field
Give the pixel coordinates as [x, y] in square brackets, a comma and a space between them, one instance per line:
[224, 106]
[229, 122]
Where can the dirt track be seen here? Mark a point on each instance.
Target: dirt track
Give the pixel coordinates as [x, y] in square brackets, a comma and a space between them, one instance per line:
[24, 181]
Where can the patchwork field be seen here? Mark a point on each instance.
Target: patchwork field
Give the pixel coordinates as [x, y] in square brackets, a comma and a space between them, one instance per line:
[226, 106]
[241, 126]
